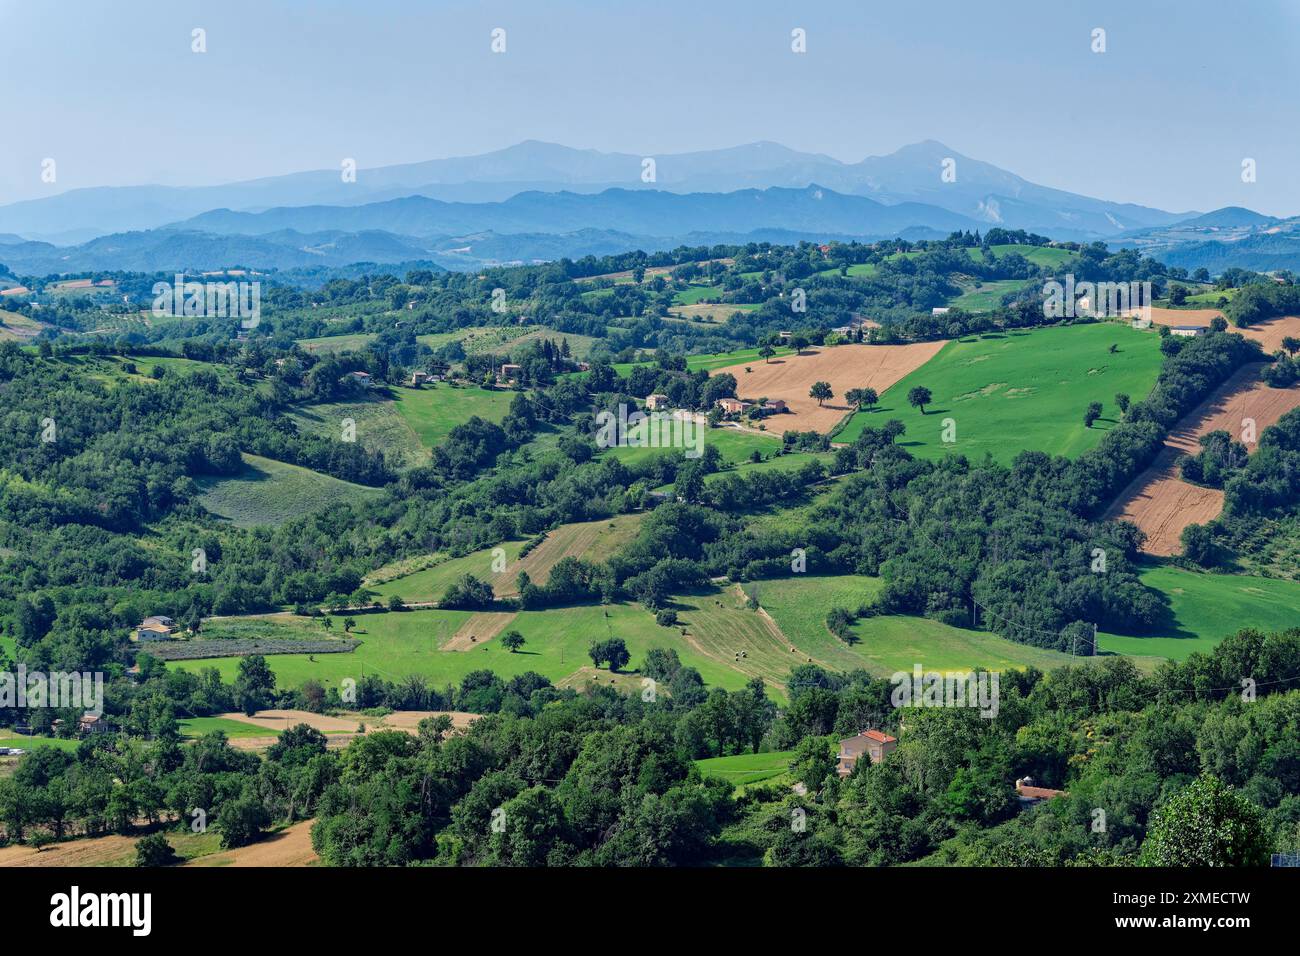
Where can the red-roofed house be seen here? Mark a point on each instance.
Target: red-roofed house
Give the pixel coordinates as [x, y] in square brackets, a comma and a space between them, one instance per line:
[1028, 794]
[874, 743]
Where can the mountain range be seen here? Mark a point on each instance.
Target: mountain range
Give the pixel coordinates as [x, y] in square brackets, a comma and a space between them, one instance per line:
[537, 201]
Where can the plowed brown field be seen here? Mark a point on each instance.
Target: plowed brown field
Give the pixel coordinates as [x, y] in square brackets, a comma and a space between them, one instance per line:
[1268, 334]
[845, 366]
[1158, 501]
[290, 847]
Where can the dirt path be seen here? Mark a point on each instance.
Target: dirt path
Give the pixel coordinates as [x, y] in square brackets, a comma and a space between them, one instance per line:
[478, 630]
[290, 847]
[844, 366]
[1158, 501]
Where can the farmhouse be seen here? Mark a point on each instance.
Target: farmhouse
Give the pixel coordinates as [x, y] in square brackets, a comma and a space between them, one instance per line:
[656, 402]
[942, 311]
[86, 724]
[1187, 331]
[732, 406]
[93, 724]
[361, 378]
[1028, 794]
[509, 372]
[419, 378]
[874, 743]
[157, 628]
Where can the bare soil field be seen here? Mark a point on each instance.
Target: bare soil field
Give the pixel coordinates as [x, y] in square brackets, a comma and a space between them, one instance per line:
[409, 720]
[844, 366]
[278, 720]
[290, 847]
[1268, 334]
[1158, 501]
[92, 851]
[589, 540]
[478, 630]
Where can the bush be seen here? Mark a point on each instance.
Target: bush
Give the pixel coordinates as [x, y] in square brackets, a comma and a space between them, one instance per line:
[154, 850]
[666, 618]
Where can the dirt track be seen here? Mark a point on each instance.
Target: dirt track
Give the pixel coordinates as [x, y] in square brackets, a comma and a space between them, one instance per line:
[1158, 501]
[844, 367]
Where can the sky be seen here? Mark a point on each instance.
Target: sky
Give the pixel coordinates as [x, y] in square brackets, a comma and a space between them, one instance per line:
[1184, 92]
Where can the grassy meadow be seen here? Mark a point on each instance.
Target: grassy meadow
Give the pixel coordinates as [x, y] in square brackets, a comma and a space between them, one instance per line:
[269, 492]
[1205, 608]
[1019, 390]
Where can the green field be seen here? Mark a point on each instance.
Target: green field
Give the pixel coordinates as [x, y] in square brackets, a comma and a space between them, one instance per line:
[986, 296]
[28, 743]
[1049, 256]
[395, 644]
[434, 410]
[198, 726]
[330, 344]
[736, 448]
[18, 327]
[696, 293]
[271, 492]
[860, 269]
[379, 427]
[744, 769]
[732, 444]
[888, 643]
[1018, 391]
[431, 583]
[713, 360]
[1206, 608]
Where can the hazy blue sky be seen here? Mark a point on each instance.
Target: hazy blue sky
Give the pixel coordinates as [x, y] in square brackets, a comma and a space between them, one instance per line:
[1184, 92]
